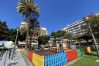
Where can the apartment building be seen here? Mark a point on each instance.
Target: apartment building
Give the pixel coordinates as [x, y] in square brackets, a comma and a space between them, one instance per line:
[34, 38]
[43, 31]
[76, 28]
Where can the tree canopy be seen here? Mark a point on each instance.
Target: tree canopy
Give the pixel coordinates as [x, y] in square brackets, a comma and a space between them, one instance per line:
[43, 40]
[27, 8]
[61, 33]
[8, 34]
[93, 21]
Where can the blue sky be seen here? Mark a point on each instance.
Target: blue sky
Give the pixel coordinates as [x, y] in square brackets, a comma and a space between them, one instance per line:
[54, 14]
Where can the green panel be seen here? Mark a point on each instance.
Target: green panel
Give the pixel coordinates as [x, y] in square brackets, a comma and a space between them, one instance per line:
[80, 52]
[26, 53]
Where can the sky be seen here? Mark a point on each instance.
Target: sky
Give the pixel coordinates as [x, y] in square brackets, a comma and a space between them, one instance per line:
[54, 14]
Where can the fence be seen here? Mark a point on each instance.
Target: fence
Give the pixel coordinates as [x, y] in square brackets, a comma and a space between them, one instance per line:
[55, 60]
[73, 47]
[38, 60]
[71, 55]
[27, 53]
[79, 52]
[30, 55]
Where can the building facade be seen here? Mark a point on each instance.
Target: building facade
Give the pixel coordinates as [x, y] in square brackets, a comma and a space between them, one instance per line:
[33, 37]
[76, 28]
[43, 31]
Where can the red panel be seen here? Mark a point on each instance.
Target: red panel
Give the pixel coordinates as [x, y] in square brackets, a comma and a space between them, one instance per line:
[71, 55]
[30, 55]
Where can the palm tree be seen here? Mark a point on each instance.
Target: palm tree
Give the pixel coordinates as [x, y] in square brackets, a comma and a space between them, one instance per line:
[29, 10]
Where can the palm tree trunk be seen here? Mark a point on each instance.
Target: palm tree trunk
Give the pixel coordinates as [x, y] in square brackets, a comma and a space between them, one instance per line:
[30, 40]
[27, 34]
[30, 43]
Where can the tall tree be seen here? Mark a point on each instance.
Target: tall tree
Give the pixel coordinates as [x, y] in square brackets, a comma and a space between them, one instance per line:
[29, 10]
[6, 33]
[54, 34]
[59, 33]
[93, 21]
[43, 40]
[3, 31]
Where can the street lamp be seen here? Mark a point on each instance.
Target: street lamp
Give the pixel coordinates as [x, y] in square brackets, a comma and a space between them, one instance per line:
[13, 51]
[87, 18]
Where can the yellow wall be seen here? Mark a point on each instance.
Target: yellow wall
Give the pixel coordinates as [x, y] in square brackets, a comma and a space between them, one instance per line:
[37, 60]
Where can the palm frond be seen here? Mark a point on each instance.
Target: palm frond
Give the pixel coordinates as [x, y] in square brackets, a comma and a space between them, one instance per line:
[27, 7]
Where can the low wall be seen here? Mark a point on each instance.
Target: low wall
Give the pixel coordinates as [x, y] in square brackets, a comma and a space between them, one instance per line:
[71, 55]
[56, 59]
[80, 52]
[38, 60]
[30, 57]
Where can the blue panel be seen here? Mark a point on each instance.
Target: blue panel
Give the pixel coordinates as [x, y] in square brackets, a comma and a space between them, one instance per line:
[73, 47]
[57, 59]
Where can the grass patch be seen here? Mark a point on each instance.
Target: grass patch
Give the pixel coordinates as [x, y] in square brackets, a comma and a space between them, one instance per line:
[87, 60]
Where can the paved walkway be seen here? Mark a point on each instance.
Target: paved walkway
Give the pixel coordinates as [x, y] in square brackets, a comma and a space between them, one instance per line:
[18, 59]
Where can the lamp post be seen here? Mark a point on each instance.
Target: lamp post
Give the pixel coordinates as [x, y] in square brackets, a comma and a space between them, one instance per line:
[87, 18]
[13, 51]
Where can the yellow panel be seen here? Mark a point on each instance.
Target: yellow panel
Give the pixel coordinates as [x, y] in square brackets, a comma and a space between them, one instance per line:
[88, 50]
[37, 60]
